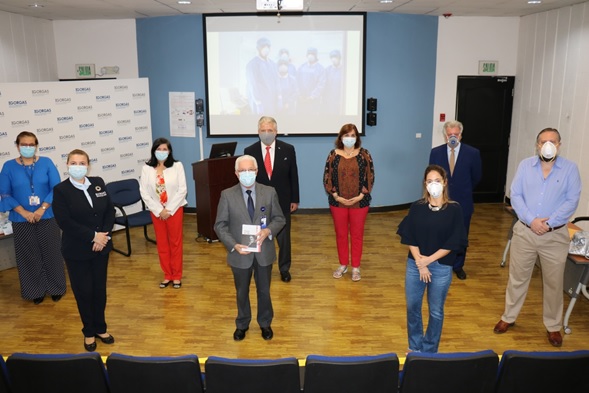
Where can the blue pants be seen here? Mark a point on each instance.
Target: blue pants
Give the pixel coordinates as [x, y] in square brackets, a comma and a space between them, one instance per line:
[437, 290]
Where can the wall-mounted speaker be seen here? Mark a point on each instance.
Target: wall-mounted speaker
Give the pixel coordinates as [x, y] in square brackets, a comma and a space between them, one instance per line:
[200, 105]
[200, 120]
[371, 104]
[371, 119]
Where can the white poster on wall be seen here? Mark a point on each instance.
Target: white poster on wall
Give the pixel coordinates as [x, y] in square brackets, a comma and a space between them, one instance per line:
[182, 114]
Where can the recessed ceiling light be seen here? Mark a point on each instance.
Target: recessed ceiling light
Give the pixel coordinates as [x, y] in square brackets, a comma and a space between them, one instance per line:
[385, 1]
[184, 2]
[534, 1]
[36, 5]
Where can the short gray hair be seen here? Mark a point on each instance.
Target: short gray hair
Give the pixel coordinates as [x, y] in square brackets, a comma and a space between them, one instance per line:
[267, 119]
[452, 124]
[245, 157]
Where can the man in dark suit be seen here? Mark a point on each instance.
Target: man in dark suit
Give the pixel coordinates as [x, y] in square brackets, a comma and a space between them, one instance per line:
[250, 203]
[278, 170]
[463, 165]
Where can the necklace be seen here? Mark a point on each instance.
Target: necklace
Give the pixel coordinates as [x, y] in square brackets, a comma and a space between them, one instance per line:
[349, 153]
[433, 208]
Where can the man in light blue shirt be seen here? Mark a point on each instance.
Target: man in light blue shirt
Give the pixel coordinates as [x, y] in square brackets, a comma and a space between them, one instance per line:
[545, 193]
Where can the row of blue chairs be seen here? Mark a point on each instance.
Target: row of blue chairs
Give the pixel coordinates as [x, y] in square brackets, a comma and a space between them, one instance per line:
[471, 372]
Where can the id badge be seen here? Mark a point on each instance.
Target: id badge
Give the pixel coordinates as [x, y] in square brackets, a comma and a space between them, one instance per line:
[34, 200]
[263, 222]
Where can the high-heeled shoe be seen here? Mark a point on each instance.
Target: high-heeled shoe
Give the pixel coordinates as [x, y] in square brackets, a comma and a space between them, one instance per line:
[90, 347]
[177, 285]
[106, 340]
[165, 284]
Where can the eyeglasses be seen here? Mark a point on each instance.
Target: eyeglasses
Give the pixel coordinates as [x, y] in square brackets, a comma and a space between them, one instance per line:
[246, 170]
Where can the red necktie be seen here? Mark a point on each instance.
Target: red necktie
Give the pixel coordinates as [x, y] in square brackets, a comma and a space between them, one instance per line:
[268, 162]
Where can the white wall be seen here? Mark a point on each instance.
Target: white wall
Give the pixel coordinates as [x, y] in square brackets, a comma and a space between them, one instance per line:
[462, 42]
[27, 49]
[99, 42]
[552, 88]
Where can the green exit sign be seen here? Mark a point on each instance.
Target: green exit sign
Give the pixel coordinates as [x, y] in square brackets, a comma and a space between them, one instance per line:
[487, 67]
[85, 71]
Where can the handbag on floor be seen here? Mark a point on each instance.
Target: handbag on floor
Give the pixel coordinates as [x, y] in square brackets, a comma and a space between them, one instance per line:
[580, 244]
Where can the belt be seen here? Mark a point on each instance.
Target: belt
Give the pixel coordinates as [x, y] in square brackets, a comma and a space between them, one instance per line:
[549, 230]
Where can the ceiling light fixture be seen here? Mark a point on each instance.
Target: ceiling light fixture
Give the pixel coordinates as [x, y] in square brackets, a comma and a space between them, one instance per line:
[184, 2]
[35, 5]
[385, 1]
[534, 1]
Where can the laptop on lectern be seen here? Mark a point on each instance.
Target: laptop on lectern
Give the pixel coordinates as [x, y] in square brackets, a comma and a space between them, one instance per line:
[219, 150]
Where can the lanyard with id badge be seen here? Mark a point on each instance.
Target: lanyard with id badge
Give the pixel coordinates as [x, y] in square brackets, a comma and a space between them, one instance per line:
[34, 200]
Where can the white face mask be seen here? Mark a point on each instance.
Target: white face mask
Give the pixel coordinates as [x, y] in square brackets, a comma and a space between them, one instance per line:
[548, 151]
[435, 189]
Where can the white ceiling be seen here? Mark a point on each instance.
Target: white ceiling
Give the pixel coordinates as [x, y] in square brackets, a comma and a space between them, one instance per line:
[131, 9]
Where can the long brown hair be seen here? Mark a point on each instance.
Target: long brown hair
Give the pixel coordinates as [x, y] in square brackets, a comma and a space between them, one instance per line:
[343, 131]
[442, 172]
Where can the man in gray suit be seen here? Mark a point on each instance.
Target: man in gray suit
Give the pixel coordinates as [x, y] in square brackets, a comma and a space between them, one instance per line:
[250, 203]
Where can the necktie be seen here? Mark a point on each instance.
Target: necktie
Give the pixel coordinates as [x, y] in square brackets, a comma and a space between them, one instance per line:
[452, 161]
[268, 162]
[250, 204]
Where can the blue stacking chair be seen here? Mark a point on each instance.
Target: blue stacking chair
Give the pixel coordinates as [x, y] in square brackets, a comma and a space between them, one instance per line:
[460, 372]
[4, 382]
[543, 372]
[133, 374]
[353, 374]
[62, 373]
[125, 193]
[224, 375]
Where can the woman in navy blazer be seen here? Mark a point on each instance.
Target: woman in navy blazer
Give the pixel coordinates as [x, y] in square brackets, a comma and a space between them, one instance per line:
[86, 215]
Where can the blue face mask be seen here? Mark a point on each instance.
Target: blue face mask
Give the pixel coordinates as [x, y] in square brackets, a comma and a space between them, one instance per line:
[453, 141]
[162, 155]
[77, 171]
[247, 178]
[349, 141]
[27, 151]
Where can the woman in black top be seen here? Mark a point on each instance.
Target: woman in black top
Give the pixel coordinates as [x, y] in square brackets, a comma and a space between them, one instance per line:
[434, 232]
[86, 215]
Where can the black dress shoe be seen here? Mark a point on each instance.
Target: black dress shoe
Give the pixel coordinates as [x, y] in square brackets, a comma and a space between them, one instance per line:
[239, 334]
[461, 274]
[285, 276]
[90, 347]
[107, 340]
[38, 300]
[267, 333]
[56, 298]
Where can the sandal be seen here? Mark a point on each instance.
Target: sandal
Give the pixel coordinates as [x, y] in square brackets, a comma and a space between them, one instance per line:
[164, 284]
[340, 271]
[356, 274]
[177, 285]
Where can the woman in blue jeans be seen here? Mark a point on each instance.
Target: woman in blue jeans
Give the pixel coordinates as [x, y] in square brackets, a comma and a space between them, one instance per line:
[434, 232]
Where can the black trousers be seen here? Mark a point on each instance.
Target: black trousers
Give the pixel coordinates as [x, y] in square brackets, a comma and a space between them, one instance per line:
[88, 281]
[262, 277]
[284, 249]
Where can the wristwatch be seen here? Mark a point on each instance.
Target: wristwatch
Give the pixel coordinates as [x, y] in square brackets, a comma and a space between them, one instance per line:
[43, 207]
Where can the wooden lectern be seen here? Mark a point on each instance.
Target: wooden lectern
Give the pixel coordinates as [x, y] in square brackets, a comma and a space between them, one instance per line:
[211, 176]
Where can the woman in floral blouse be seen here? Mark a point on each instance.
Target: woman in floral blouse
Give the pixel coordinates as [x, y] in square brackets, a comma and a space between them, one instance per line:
[348, 180]
[163, 189]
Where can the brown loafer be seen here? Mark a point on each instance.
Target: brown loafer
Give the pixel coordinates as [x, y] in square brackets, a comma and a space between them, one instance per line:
[502, 327]
[555, 339]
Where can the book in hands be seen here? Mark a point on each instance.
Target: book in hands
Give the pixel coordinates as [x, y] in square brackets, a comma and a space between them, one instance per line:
[249, 238]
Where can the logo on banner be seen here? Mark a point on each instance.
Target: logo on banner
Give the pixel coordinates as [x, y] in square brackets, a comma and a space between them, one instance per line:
[103, 98]
[141, 128]
[40, 92]
[17, 103]
[141, 161]
[127, 172]
[61, 101]
[120, 88]
[86, 126]
[123, 122]
[46, 149]
[3, 134]
[66, 138]
[65, 119]
[83, 90]
[64, 158]
[125, 156]
[42, 112]
[1, 114]
[140, 112]
[88, 143]
[106, 150]
[4, 154]
[19, 123]
[142, 145]
[109, 167]
[124, 139]
[93, 161]
[84, 108]
[102, 116]
[105, 133]
[122, 105]
[138, 95]
[44, 130]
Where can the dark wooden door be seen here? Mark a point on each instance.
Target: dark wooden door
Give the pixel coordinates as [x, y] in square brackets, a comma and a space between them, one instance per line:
[484, 106]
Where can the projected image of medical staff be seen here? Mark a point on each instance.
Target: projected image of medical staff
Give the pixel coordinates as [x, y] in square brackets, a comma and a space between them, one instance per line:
[332, 94]
[262, 80]
[311, 81]
[288, 90]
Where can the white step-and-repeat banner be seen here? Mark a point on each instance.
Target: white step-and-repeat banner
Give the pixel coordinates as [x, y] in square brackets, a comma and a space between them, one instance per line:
[108, 119]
